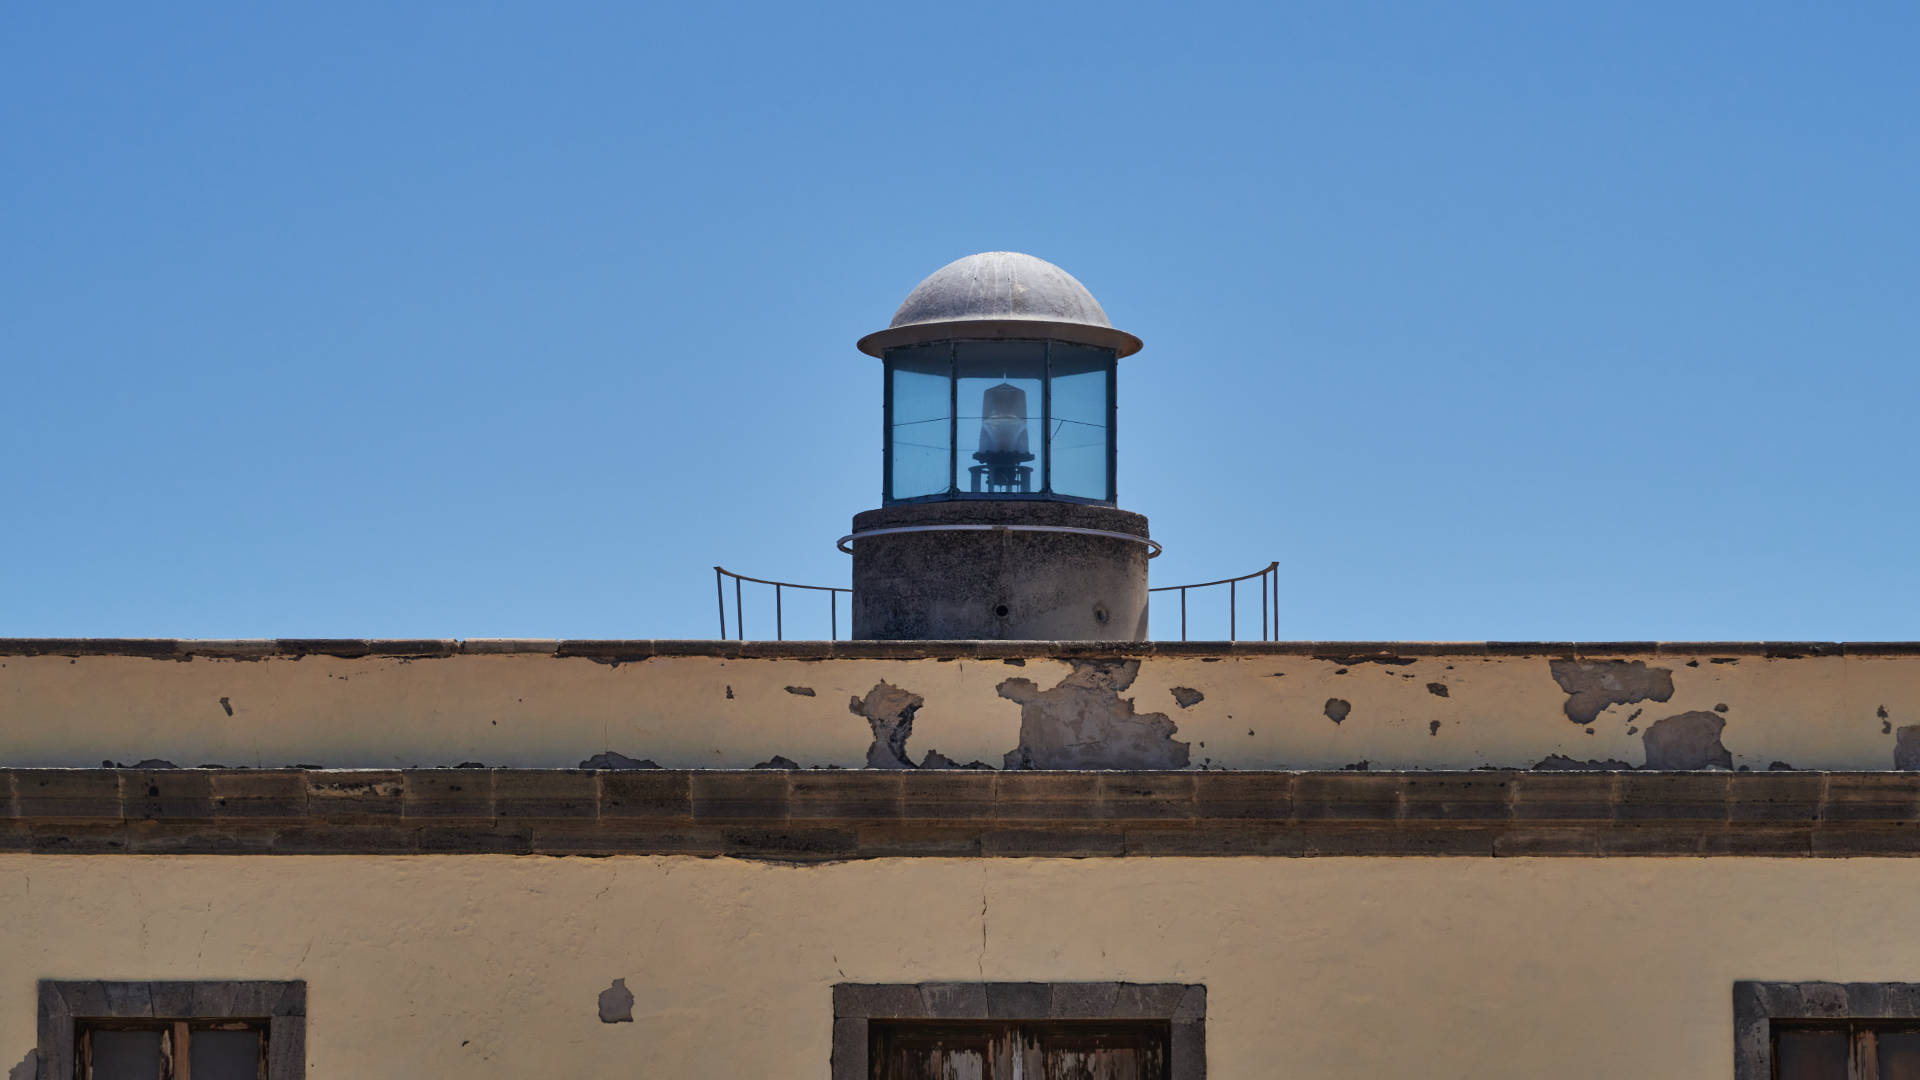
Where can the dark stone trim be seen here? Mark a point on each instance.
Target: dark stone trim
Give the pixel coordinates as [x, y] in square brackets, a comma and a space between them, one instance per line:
[1757, 1004]
[633, 651]
[834, 814]
[281, 1003]
[1183, 1004]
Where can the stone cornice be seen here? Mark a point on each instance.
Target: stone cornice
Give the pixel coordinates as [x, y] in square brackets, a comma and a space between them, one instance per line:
[829, 815]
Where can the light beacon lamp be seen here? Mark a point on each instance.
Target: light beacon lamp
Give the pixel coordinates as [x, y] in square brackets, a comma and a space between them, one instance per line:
[997, 517]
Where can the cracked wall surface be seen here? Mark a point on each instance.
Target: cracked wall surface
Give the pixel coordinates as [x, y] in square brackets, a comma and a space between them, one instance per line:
[1234, 708]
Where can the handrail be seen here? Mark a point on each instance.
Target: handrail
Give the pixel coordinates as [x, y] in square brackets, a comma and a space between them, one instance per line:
[1269, 600]
[721, 573]
[1271, 570]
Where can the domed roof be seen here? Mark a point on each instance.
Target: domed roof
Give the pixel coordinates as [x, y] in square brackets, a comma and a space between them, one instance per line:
[1000, 294]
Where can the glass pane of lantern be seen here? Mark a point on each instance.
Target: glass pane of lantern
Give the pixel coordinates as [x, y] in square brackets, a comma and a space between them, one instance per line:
[999, 396]
[225, 1055]
[125, 1055]
[1079, 422]
[922, 433]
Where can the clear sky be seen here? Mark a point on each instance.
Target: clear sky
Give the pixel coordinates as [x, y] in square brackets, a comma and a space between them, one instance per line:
[1486, 320]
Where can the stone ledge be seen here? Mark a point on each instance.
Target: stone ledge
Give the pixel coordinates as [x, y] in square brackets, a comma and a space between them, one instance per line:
[626, 651]
[830, 814]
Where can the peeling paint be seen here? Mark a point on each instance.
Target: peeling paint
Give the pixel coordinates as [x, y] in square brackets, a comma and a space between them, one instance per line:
[615, 761]
[800, 691]
[1592, 685]
[1906, 748]
[1187, 697]
[1337, 709]
[1690, 740]
[1553, 762]
[227, 705]
[28, 1069]
[1433, 727]
[937, 760]
[778, 762]
[1083, 722]
[616, 1003]
[1437, 689]
[889, 711]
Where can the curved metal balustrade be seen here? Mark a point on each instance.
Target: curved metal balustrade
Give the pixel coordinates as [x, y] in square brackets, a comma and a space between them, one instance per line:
[1268, 578]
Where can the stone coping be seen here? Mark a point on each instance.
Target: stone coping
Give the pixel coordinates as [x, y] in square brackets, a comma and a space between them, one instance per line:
[827, 815]
[643, 649]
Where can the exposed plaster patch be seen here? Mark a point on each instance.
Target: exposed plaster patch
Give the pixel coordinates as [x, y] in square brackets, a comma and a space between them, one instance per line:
[616, 1003]
[800, 691]
[227, 705]
[614, 760]
[1014, 661]
[1337, 710]
[28, 1069]
[889, 711]
[1433, 727]
[778, 762]
[1083, 722]
[1437, 689]
[1356, 661]
[1592, 685]
[1690, 740]
[1906, 748]
[729, 693]
[1555, 762]
[1722, 707]
[1779, 766]
[146, 763]
[1724, 660]
[1187, 697]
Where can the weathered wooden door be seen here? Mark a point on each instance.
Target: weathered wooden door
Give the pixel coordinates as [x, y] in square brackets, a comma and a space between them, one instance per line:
[1036, 1050]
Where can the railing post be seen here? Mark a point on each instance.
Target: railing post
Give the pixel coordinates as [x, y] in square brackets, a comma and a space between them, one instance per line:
[833, 614]
[779, 617]
[1276, 599]
[1233, 611]
[1263, 605]
[1183, 613]
[739, 618]
[720, 595]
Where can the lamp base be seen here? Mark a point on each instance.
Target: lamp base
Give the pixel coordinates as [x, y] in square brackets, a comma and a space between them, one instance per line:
[1056, 579]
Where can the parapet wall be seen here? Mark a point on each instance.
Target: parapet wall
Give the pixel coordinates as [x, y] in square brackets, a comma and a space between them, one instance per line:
[1043, 705]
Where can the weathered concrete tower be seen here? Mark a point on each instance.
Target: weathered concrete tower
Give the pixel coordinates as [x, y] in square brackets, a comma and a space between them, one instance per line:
[997, 516]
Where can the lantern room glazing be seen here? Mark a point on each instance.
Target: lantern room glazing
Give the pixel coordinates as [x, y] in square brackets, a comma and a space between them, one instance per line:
[999, 419]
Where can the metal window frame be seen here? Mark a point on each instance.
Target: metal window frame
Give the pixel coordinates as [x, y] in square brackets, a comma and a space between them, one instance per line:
[1757, 1004]
[66, 1003]
[954, 492]
[857, 1005]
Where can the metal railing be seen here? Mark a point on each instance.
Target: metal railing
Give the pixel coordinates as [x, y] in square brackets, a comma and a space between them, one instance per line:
[721, 573]
[1269, 586]
[1269, 578]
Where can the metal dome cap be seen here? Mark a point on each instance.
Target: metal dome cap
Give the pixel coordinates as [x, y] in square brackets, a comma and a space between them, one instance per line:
[1000, 294]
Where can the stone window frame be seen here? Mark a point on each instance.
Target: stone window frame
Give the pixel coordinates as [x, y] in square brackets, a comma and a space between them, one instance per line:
[1183, 1005]
[1757, 1004]
[282, 1003]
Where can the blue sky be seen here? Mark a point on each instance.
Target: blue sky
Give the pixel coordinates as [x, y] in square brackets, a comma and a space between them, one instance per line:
[1488, 320]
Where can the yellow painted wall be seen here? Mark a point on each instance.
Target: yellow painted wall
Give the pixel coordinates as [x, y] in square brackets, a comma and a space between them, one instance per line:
[1258, 712]
[490, 966]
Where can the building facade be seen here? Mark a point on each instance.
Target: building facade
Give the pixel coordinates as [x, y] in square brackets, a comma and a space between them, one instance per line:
[403, 859]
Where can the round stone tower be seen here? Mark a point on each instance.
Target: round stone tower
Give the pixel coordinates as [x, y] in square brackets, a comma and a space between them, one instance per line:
[997, 517]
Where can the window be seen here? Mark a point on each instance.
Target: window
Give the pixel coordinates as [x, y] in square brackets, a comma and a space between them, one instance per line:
[1019, 1031]
[208, 1030]
[1826, 1031]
